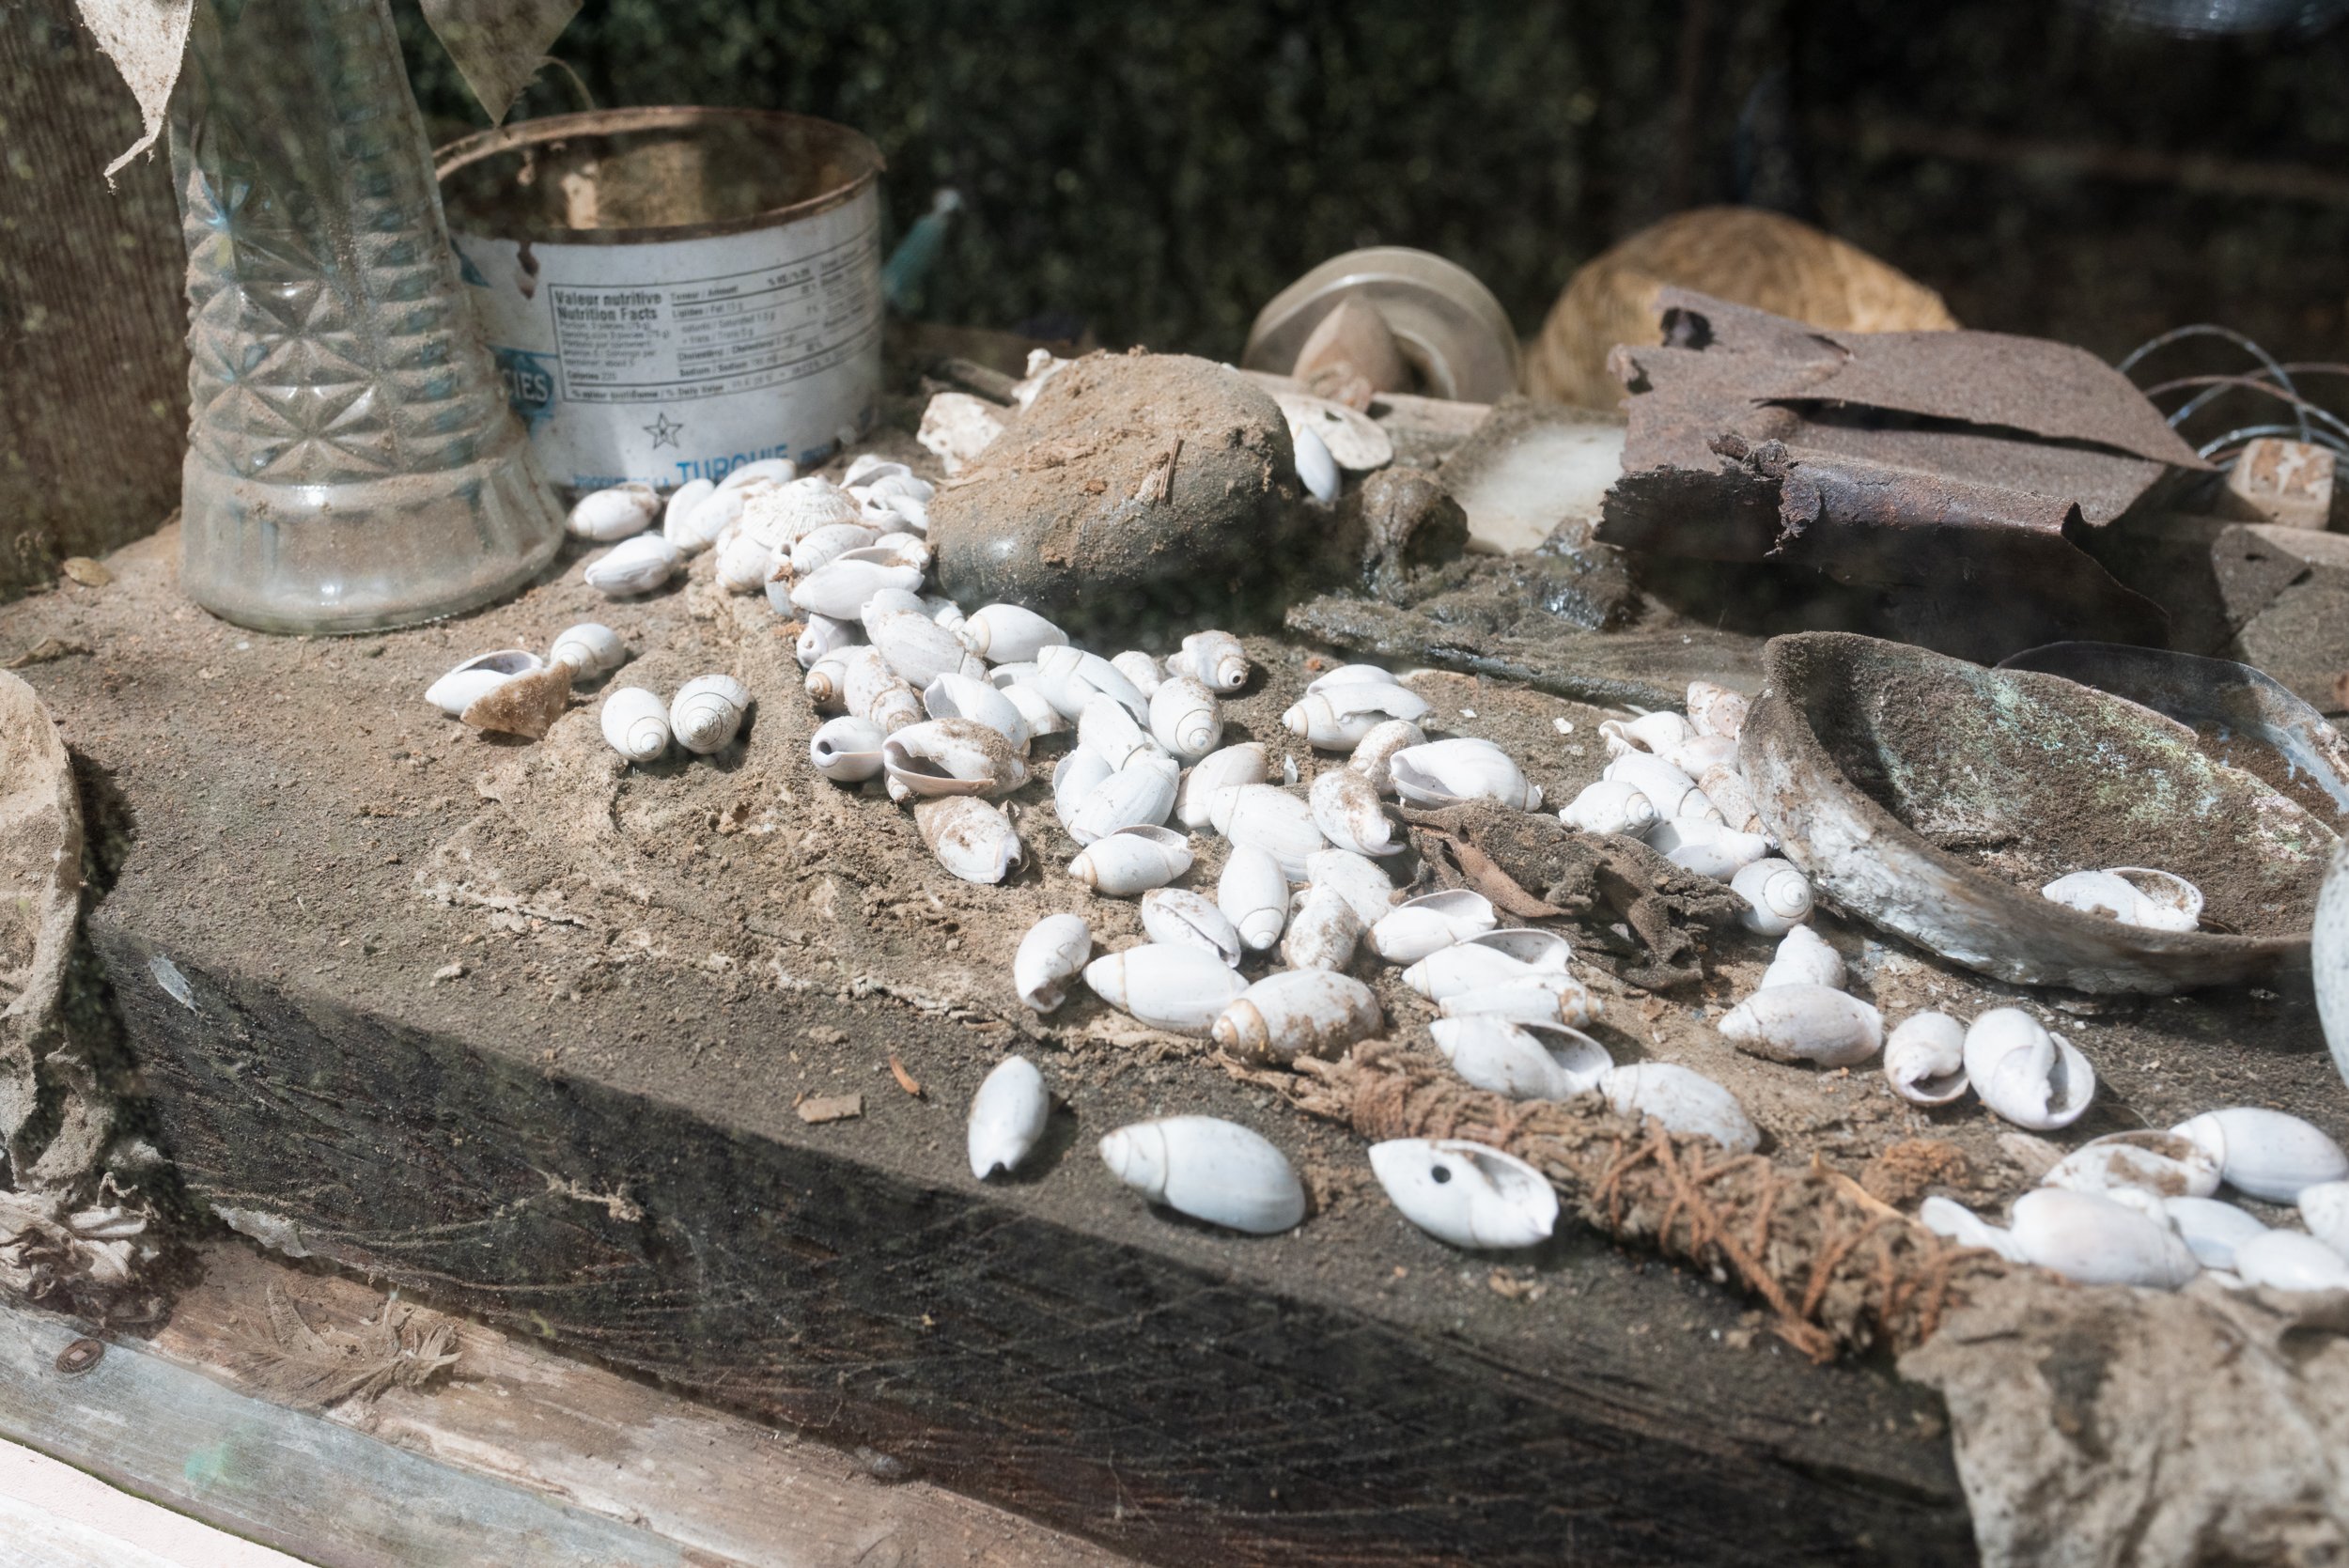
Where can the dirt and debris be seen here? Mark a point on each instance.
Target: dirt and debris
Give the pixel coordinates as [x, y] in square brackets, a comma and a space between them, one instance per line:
[818, 1109]
[403, 1347]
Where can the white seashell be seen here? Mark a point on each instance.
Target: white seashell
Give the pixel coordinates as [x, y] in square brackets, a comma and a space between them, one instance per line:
[682, 501]
[1038, 716]
[1650, 732]
[1054, 952]
[1707, 848]
[479, 676]
[590, 648]
[1536, 997]
[774, 471]
[909, 549]
[955, 695]
[1336, 717]
[717, 515]
[1945, 1217]
[1446, 772]
[1132, 861]
[2092, 1240]
[1537, 950]
[1145, 672]
[1008, 1117]
[744, 566]
[2286, 1260]
[1716, 709]
[636, 565]
[972, 839]
[1803, 958]
[901, 485]
[1418, 927]
[1684, 1101]
[1610, 806]
[1924, 1059]
[1009, 633]
[2267, 1154]
[2324, 1210]
[870, 468]
[1071, 677]
[1315, 469]
[1465, 965]
[840, 586]
[1139, 795]
[1362, 881]
[846, 750]
[1778, 896]
[1271, 819]
[611, 514]
[1671, 792]
[1722, 784]
[1234, 766]
[2166, 1164]
[889, 601]
[1523, 1060]
[1378, 747]
[2025, 1074]
[2211, 1230]
[1184, 718]
[946, 613]
[2095, 893]
[820, 635]
[1701, 754]
[706, 712]
[1805, 1023]
[950, 757]
[1253, 894]
[1210, 1170]
[1347, 811]
[1322, 932]
[788, 513]
[918, 648]
[1213, 658]
[1299, 1012]
[1178, 916]
[1107, 727]
[895, 510]
[820, 547]
[1463, 1193]
[873, 691]
[827, 680]
[635, 723]
[1177, 987]
[1076, 776]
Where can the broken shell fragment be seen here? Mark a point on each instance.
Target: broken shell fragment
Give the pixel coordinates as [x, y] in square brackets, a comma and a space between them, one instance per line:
[1228, 769]
[1778, 896]
[607, 515]
[476, 677]
[2166, 1164]
[1009, 633]
[2092, 1240]
[1803, 958]
[1184, 719]
[1132, 861]
[1253, 894]
[1924, 1059]
[1177, 916]
[1147, 673]
[1271, 819]
[1139, 795]
[634, 566]
[971, 838]
[1214, 659]
[950, 757]
[1451, 772]
[1610, 806]
[1682, 1100]
[1299, 1012]
[1523, 1060]
[527, 705]
[1467, 1194]
[1418, 927]
[954, 695]
[1376, 747]
[1177, 987]
[706, 712]
[1008, 1117]
[2286, 1260]
[1336, 717]
[1315, 469]
[1322, 932]
[846, 750]
[2133, 895]
[1362, 881]
[1805, 1023]
[1210, 1170]
[1716, 709]
[2025, 1074]
[2212, 1229]
[2267, 1154]
[635, 723]
[1348, 812]
[1052, 954]
[1725, 788]
[590, 648]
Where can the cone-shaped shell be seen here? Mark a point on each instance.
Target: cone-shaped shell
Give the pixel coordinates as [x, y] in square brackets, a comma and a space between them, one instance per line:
[1008, 1117]
[2025, 1074]
[528, 704]
[1272, 820]
[1682, 1100]
[1296, 1012]
[1805, 1023]
[1178, 916]
[1347, 807]
[1253, 894]
[874, 691]
[1523, 1060]
[1210, 1170]
[1362, 881]
[590, 648]
[972, 839]
[955, 695]
[483, 673]
[1924, 1059]
[1465, 966]
[1449, 772]
[1322, 932]
[1778, 896]
[950, 757]
[683, 500]
[1076, 776]
[1467, 1194]
[1725, 788]
[1054, 952]
[1228, 769]
[1418, 927]
[1132, 861]
[1184, 719]
[635, 723]
[1804, 958]
[846, 750]
[1610, 806]
[2268, 1154]
[634, 566]
[706, 712]
[1009, 633]
[1138, 795]
[1215, 659]
[615, 513]
[1179, 988]
[2092, 1240]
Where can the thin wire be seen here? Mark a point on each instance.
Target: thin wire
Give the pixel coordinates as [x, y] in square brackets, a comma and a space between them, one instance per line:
[2208, 329]
[2217, 386]
[2250, 432]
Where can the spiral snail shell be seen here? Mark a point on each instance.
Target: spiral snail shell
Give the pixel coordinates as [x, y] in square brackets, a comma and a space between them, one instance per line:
[636, 724]
[707, 712]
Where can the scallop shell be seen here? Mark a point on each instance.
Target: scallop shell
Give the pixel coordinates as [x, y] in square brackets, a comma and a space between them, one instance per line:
[1467, 1194]
[706, 712]
[1523, 1060]
[1177, 916]
[1610, 806]
[1139, 795]
[1650, 732]
[841, 586]
[1347, 811]
[1179, 987]
[682, 501]
[2092, 1240]
[1253, 894]
[1803, 958]
[2166, 1164]
[2267, 1154]
[1417, 927]
[634, 566]
[1448, 773]
[615, 513]
[919, 649]
[1214, 659]
[782, 516]
[1537, 997]
[2212, 1229]
[1716, 709]
[1336, 717]
[1271, 819]
[1184, 718]
[1009, 635]
[1924, 1059]
[1210, 1170]
[2286, 1260]
[1229, 768]
[1052, 954]
[1778, 896]
[955, 695]
[1684, 1101]
[1805, 1023]
[972, 839]
[846, 750]
[635, 723]
[477, 677]
[1671, 792]
[1008, 1117]
[1106, 726]
[1376, 749]
[1944, 1217]
[1322, 932]
[590, 648]
[743, 564]
[1300, 1012]
[950, 757]
[1132, 861]
[1147, 673]
[1707, 848]
[2025, 1074]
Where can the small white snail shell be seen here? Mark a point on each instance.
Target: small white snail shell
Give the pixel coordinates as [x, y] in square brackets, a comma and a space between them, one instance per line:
[1610, 806]
[635, 723]
[946, 613]
[821, 547]
[1540, 951]
[2166, 1164]
[1228, 769]
[1271, 819]
[1536, 997]
[1315, 469]
[1214, 659]
[955, 695]
[1466, 1194]
[1523, 1060]
[1707, 848]
[1322, 932]
[1138, 795]
[1778, 896]
[1722, 784]
[846, 750]
[634, 566]
[477, 677]
[2025, 1074]
[869, 467]
[918, 648]
[1418, 927]
[1106, 726]
[971, 838]
[1132, 861]
[1350, 813]
[1210, 1170]
[910, 550]
[695, 528]
[2286, 1260]
[1177, 916]
[1376, 749]
[1924, 1059]
[1076, 776]
[2212, 1229]
[820, 635]
[1671, 792]
[874, 691]
[950, 757]
[607, 515]
[1682, 1100]
[1038, 716]
[1295, 1013]
[1072, 678]
[1177, 987]
[743, 564]
[1184, 719]
[1336, 717]
[841, 586]
[1701, 754]
[2173, 904]
[708, 711]
[2324, 1210]
[1253, 894]
[2267, 1154]
[1465, 967]
[1803, 958]
[682, 501]
[827, 680]
[2093, 1240]
[1362, 881]
[1147, 673]
[1945, 1217]
[1805, 1023]
[1352, 675]
[1054, 952]
[1009, 633]
[590, 648]
[1716, 709]
[1448, 773]
[1650, 732]
[1008, 1117]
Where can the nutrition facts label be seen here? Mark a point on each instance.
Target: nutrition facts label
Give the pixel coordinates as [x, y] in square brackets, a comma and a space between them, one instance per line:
[673, 342]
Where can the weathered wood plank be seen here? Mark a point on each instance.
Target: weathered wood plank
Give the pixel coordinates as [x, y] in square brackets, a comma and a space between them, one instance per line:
[52, 1516]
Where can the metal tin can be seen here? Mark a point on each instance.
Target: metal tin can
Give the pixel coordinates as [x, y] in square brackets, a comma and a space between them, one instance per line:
[672, 292]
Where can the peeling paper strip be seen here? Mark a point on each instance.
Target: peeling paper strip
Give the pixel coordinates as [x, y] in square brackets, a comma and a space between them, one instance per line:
[498, 44]
[145, 40]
